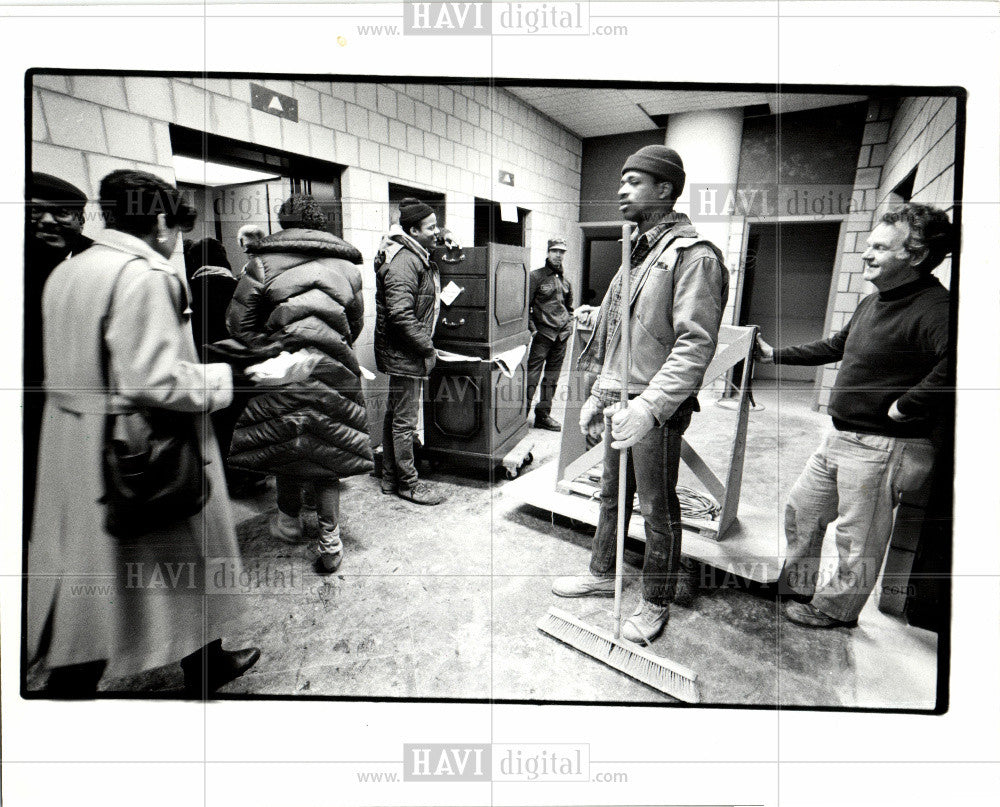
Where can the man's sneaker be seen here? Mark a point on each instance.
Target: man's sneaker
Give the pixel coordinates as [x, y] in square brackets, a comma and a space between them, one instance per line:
[286, 528]
[688, 583]
[388, 486]
[584, 585]
[646, 623]
[420, 493]
[810, 616]
[547, 422]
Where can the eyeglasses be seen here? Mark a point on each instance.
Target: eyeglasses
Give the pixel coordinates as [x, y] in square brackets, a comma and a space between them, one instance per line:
[63, 215]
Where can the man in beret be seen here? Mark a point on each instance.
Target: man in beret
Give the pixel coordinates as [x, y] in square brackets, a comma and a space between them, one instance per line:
[679, 286]
[407, 303]
[550, 321]
[54, 233]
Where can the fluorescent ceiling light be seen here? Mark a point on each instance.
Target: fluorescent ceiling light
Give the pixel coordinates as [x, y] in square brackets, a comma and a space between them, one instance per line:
[199, 172]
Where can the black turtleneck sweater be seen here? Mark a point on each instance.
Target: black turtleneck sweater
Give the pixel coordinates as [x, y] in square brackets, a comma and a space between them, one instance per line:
[895, 348]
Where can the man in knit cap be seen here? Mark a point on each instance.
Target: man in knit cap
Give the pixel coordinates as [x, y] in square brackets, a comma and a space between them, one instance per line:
[55, 233]
[890, 402]
[679, 286]
[407, 302]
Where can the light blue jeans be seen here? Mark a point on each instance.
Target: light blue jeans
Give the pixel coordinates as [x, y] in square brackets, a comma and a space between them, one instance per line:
[856, 479]
[327, 493]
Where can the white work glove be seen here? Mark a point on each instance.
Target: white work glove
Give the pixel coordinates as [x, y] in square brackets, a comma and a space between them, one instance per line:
[285, 368]
[765, 353]
[592, 417]
[629, 426]
[586, 316]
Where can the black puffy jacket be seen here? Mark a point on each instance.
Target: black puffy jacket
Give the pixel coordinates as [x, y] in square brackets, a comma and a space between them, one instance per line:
[405, 298]
[302, 289]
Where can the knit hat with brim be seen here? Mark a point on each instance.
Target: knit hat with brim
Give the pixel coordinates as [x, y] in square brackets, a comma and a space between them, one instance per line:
[662, 162]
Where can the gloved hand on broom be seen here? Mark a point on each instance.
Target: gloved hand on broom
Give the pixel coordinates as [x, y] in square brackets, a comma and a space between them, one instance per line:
[628, 426]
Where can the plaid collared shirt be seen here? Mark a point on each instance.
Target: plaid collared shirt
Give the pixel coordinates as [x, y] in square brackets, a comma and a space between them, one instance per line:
[641, 247]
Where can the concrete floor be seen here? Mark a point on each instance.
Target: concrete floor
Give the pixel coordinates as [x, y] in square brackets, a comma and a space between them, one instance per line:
[443, 602]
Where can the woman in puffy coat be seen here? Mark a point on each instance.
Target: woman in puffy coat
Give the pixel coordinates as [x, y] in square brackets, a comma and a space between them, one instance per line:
[301, 293]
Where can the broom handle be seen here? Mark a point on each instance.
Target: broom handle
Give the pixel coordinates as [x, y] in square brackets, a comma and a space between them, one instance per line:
[626, 343]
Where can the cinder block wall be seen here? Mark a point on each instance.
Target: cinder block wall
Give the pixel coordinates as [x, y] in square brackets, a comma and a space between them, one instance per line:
[923, 136]
[447, 139]
[899, 136]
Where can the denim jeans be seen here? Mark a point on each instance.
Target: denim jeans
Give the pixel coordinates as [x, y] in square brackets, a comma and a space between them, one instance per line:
[399, 429]
[327, 500]
[857, 479]
[545, 354]
[652, 469]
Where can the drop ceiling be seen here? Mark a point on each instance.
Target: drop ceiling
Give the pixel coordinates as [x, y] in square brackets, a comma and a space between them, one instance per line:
[593, 112]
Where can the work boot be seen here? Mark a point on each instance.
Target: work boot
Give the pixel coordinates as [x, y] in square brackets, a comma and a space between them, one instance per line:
[211, 667]
[646, 623]
[420, 493]
[810, 616]
[286, 528]
[584, 585]
[331, 551]
[688, 585]
[787, 592]
[547, 422]
[75, 680]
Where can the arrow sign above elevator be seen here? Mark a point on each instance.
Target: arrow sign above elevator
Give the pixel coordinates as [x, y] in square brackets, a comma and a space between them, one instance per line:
[274, 103]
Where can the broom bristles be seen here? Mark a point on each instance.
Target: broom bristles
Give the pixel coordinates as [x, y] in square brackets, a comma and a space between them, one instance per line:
[668, 677]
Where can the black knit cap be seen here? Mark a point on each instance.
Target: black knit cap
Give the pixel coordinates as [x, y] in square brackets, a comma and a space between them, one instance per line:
[53, 189]
[662, 162]
[412, 212]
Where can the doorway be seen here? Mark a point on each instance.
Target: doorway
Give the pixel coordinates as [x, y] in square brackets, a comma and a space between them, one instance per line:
[436, 201]
[786, 286]
[490, 227]
[231, 184]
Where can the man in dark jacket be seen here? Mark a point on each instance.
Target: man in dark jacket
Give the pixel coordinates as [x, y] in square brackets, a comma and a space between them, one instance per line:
[550, 321]
[55, 233]
[407, 300]
[892, 390]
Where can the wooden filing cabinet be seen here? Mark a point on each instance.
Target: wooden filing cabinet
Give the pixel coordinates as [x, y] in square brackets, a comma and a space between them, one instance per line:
[493, 302]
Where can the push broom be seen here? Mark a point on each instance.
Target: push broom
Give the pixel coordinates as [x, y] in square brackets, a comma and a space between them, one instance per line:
[627, 657]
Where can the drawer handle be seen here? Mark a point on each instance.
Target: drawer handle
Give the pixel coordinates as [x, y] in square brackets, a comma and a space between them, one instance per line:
[446, 258]
[459, 324]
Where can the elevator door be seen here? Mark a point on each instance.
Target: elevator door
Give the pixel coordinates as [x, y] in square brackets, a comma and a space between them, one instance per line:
[250, 203]
[786, 288]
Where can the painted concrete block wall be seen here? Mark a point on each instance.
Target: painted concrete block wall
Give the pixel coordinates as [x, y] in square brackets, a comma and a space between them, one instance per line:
[899, 136]
[847, 280]
[923, 136]
[447, 139]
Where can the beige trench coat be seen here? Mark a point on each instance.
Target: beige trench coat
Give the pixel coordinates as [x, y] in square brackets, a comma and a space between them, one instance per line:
[142, 602]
